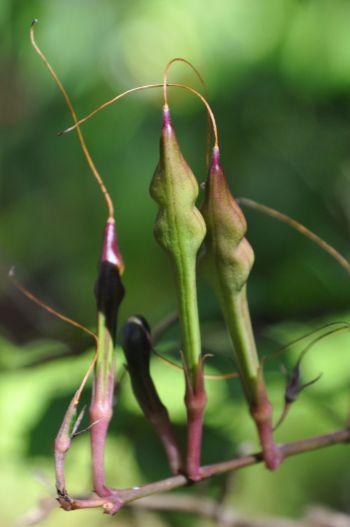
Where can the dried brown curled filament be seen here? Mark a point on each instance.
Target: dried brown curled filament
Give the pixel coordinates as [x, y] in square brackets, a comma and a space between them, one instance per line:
[166, 72]
[81, 139]
[46, 307]
[202, 82]
[337, 326]
[296, 225]
[147, 87]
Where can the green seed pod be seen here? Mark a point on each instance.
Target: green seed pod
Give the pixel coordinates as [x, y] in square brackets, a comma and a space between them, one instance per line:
[180, 230]
[226, 260]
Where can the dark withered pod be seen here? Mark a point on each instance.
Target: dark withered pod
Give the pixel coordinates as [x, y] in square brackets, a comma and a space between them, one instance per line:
[137, 346]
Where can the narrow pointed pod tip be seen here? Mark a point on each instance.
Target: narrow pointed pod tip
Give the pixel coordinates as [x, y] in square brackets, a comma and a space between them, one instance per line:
[109, 289]
[216, 157]
[166, 111]
[81, 139]
[110, 249]
[166, 117]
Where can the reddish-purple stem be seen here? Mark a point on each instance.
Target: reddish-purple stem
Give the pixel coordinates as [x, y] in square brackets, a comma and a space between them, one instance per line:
[167, 437]
[112, 505]
[62, 445]
[263, 421]
[261, 412]
[195, 401]
[101, 412]
[64, 436]
[109, 294]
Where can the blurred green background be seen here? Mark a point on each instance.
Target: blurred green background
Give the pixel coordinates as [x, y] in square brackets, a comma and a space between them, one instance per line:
[278, 76]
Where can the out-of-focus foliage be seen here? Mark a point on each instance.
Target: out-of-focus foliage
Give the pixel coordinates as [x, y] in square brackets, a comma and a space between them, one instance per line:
[278, 75]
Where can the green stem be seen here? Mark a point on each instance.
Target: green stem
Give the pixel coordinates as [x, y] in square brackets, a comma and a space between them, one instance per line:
[105, 364]
[188, 313]
[236, 312]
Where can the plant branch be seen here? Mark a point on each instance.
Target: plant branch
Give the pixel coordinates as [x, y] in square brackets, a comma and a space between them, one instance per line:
[126, 496]
[287, 450]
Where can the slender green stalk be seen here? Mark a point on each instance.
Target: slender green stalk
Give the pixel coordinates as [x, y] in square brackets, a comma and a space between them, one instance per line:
[236, 312]
[105, 363]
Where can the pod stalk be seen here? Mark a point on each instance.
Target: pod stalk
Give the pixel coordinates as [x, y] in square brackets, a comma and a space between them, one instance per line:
[195, 402]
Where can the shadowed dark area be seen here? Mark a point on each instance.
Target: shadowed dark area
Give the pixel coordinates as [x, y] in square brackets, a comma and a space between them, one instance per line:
[109, 292]
[137, 344]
